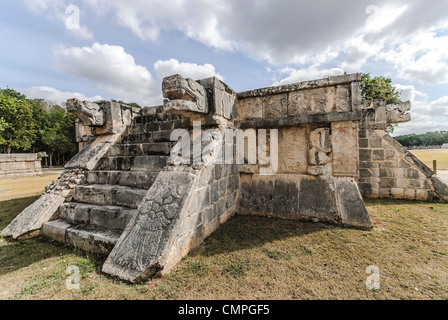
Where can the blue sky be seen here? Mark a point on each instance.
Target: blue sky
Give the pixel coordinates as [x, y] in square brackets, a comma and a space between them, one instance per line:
[123, 49]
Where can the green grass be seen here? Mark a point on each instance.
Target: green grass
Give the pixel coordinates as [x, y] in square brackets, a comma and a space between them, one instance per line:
[256, 258]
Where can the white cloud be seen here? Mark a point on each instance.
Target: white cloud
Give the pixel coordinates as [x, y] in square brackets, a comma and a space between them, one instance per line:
[279, 32]
[426, 115]
[112, 70]
[409, 93]
[54, 95]
[382, 17]
[313, 73]
[346, 34]
[42, 5]
[82, 33]
[62, 12]
[423, 58]
[419, 127]
[170, 67]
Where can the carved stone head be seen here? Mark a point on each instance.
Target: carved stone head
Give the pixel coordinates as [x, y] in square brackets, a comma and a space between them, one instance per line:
[90, 113]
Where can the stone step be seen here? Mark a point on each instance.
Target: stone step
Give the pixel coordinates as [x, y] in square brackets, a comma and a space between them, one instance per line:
[87, 237]
[155, 117]
[109, 217]
[138, 163]
[148, 137]
[136, 128]
[147, 111]
[139, 149]
[132, 179]
[109, 195]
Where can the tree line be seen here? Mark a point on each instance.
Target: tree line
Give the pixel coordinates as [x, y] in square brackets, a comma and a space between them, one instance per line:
[32, 125]
[27, 125]
[437, 138]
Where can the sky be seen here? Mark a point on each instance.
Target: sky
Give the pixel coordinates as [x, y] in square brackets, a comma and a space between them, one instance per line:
[111, 49]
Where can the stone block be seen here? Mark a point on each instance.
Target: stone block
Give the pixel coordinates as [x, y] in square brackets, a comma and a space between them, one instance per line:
[33, 217]
[312, 101]
[370, 190]
[389, 154]
[275, 106]
[324, 170]
[402, 183]
[317, 198]
[320, 139]
[245, 193]
[397, 193]
[343, 98]
[345, 148]
[384, 192]
[413, 173]
[386, 173]
[387, 183]
[145, 247]
[251, 108]
[352, 208]
[293, 150]
[56, 230]
[368, 165]
[409, 194]
[365, 173]
[363, 143]
[214, 192]
[378, 155]
[79, 213]
[318, 157]
[375, 143]
[415, 183]
[421, 195]
[286, 194]
[262, 194]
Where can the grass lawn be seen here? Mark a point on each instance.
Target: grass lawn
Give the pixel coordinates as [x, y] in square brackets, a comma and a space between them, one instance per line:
[256, 258]
[427, 156]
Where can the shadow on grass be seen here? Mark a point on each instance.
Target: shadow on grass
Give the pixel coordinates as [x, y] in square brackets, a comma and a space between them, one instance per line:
[18, 254]
[10, 209]
[245, 232]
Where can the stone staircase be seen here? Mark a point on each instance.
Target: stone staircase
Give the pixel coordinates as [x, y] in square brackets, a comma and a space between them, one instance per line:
[102, 207]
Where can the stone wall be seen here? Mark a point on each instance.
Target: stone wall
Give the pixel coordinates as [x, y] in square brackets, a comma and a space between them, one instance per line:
[26, 164]
[317, 123]
[388, 170]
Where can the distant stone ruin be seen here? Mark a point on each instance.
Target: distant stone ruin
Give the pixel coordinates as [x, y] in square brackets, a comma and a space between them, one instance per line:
[21, 164]
[307, 151]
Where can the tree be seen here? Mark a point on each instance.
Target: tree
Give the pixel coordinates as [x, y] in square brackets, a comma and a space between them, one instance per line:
[428, 139]
[17, 125]
[25, 125]
[12, 94]
[379, 88]
[58, 137]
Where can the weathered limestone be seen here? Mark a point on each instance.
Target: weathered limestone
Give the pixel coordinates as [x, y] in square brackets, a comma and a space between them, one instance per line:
[387, 169]
[309, 146]
[90, 113]
[185, 204]
[318, 147]
[20, 164]
[46, 208]
[30, 221]
[185, 96]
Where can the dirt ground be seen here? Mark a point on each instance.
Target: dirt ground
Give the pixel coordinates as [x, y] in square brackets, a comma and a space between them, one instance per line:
[443, 175]
[23, 187]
